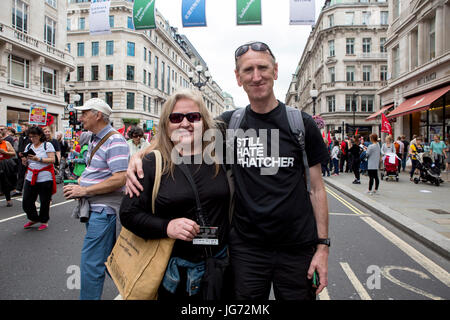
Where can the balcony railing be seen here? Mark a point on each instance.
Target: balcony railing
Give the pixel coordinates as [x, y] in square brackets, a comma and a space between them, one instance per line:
[373, 55]
[17, 36]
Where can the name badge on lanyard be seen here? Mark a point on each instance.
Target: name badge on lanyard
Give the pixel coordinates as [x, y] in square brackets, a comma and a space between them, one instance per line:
[207, 236]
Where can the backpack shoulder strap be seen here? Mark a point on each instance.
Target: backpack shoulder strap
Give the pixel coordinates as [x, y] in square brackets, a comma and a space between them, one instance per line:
[236, 119]
[99, 144]
[297, 126]
[158, 174]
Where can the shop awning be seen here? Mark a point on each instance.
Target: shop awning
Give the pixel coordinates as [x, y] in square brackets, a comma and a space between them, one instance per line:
[379, 112]
[418, 103]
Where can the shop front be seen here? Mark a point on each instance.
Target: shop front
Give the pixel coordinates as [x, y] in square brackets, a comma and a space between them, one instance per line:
[426, 114]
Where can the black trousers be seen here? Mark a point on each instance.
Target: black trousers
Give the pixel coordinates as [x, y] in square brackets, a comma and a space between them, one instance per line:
[373, 176]
[30, 194]
[20, 176]
[256, 268]
[5, 186]
[355, 167]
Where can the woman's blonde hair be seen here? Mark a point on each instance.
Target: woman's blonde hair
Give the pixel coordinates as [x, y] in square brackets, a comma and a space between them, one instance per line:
[162, 141]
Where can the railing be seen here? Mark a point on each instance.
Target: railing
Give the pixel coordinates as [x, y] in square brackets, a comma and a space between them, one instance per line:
[34, 44]
[373, 55]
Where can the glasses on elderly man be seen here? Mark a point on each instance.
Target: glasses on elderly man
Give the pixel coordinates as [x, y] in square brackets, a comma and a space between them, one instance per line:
[255, 46]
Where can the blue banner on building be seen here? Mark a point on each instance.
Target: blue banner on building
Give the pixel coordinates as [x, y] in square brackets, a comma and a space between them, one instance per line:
[193, 13]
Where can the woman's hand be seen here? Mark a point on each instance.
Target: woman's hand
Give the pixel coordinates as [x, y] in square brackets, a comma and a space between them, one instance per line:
[182, 229]
[34, 158]
[134, 172]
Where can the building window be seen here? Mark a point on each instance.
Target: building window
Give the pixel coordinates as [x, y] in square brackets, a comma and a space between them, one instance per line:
[80, 49]
[366, 73]
[130, 73]
[49, 31]
[350, 46]
[95, 49]
[130, 49]
[144, 103]
[384, 17]
[94, 95]
[382, 43]
[331, 102]
[80, 73]
[396, 9]
[383, 73]
[81, 23]
[20, 15]
[68, 25]
[156, 72]
[163, 75]
[94, 73]
[109, 72]
[366, 18]
[51, 2]
[19, 71]
[350, 103]
[432, 38]
[396, 62]
[111, 21]
[130, 100]
[350, 74]
[331, 20]
[331, 52]
[168, 79]
[332, 73]
[366, 45]
[109, 98]
[68, 46]
[130, 24]
[349, 18]
[367, 103]
[109, 48]
[145, 54]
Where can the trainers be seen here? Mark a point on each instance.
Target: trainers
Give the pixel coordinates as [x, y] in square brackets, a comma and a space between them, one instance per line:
[356, 182]
[42, 227]
[369, 193]
[29, 224]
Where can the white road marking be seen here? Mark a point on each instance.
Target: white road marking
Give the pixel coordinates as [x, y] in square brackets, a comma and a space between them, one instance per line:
[119, 297]
[324, 295]
[24, 214]
[355, 282]
[426, 263]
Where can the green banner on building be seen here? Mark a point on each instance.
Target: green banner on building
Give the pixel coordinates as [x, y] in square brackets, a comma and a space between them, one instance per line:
[144, 14]
[248, 12]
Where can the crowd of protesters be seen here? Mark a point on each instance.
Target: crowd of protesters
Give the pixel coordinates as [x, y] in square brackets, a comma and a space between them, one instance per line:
[355, 155]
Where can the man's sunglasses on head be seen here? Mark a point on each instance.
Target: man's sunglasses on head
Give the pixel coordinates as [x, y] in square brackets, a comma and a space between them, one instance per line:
[255, 46]
[191, 117]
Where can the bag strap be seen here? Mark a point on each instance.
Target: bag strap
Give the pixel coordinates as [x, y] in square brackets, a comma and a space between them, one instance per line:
[297, 126]
[199, 211]
[236, 119]
[106, 137]
[158, 174]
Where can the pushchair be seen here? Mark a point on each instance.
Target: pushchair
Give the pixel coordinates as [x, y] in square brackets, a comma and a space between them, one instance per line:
[428, 171]
[390, 163]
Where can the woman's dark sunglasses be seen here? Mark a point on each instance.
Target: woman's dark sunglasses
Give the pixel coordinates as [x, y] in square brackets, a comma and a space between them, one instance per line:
[255, 46]
[191, 117]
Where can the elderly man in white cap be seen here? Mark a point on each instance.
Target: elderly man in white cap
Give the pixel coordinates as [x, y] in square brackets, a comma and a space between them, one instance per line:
[101, 185]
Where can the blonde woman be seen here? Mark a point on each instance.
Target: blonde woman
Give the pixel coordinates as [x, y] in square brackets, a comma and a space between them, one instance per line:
[183, 121]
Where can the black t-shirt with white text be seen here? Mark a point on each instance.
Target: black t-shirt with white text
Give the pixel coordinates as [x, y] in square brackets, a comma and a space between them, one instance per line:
[273, 208]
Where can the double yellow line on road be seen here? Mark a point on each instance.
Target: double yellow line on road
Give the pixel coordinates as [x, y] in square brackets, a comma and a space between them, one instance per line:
[345, 202]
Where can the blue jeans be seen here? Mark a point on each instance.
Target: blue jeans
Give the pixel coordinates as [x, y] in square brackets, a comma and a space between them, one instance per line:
[336, 166]
[98, 243]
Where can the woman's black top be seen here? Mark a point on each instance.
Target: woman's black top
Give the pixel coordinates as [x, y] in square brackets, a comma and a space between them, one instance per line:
[355, 151]
[176, 199]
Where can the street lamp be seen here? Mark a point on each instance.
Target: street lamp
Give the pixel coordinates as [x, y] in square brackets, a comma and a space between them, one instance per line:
[314, 93]
[199, 84]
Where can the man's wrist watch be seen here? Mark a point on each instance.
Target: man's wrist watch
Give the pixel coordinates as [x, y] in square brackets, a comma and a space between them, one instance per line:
[325, 241]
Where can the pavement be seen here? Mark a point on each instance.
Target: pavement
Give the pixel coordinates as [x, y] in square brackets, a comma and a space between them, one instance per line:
[421, 210]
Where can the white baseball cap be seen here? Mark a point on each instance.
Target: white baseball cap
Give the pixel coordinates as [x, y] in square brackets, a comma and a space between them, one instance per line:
[96, 104]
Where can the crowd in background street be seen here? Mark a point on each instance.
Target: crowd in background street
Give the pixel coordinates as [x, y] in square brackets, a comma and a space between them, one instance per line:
[355, 155]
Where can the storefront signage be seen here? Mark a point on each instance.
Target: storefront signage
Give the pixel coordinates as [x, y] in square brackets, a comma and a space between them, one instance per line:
[427, 78]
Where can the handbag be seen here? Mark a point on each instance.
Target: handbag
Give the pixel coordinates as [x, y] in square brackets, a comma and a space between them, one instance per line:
[136, 265]
[213, 285]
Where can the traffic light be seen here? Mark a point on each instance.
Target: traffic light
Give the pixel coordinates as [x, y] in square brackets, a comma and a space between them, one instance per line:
[73, 118]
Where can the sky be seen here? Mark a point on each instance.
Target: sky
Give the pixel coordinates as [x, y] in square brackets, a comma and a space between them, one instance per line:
[217, 42]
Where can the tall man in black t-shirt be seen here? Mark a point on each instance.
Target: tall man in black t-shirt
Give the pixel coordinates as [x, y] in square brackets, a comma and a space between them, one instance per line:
[279, 231]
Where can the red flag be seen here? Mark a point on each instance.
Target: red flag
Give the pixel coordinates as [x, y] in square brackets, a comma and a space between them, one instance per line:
[121, 130]
[128, 130]
[356, 131]
[385, 125]
[323, 134]
[329, 137]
